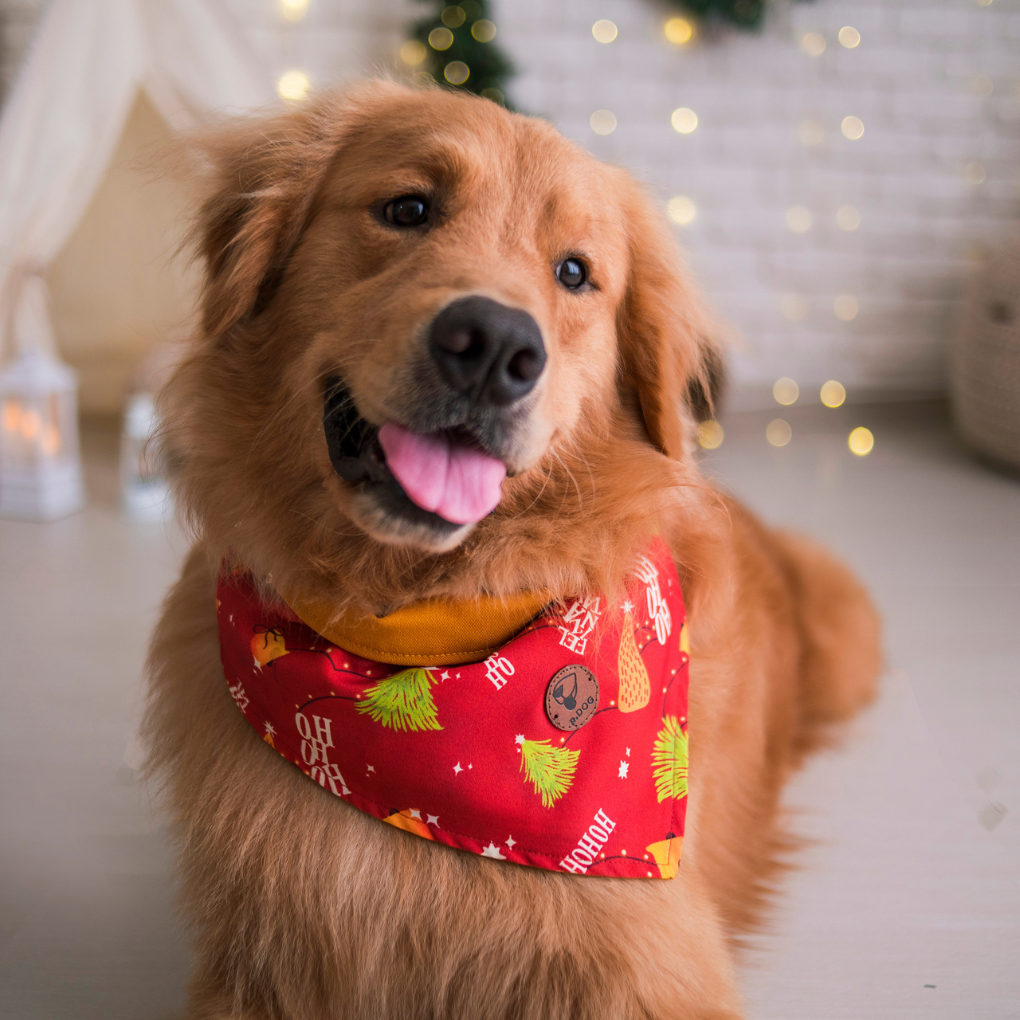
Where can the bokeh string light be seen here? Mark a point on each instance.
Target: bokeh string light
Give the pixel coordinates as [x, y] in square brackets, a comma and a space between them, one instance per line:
[861, 441]
[852, 128]
[483, 31]
[710, 434]
[845, 307]
[833, 393]
[778, 432]
[453, 16]
[849, 37]
[603, 122]
[293, 10]
[974, 173]
[848, 218]
[681, 210]
[604, 31]
[293, 86]
[785, 391]
[678, 31]
[440, 38]
[798, 219]
[413, 52]
[813, 44]
[684, 120]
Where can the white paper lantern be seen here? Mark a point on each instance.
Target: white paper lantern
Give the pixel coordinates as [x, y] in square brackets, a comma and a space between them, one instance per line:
[40, 464]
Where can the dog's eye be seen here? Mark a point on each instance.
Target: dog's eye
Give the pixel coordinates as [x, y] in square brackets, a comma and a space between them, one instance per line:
[408, 211]
[572, 273]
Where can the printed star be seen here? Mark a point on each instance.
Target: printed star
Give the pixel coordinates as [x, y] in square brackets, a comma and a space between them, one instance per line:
[627, 606]
[231, 617]
[457, 769]
[270, 730]
[371, 768]
[624, 766]
[458, 676]
[470, 766]
[256, 663]
[493, 851]
[510, 842]
[519, 739]
[432, 820]
[628, 752]
[445, 675]
[415, 813]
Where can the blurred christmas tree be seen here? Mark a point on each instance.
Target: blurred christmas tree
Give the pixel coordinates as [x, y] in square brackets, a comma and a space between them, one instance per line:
[742, 13]
[456, 45]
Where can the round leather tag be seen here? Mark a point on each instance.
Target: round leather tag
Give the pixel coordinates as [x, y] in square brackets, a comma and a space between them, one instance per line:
[572, 697]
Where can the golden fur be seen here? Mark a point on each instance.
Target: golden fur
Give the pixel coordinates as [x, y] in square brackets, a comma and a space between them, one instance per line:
[303, 907]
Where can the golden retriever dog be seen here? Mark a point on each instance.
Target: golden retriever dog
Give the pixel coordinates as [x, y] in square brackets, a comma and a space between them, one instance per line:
[430, 263]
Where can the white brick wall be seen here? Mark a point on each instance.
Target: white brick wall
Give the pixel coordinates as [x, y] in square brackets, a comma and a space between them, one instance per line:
[919, 80]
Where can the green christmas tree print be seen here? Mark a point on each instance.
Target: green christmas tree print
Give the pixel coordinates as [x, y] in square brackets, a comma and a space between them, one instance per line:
[402, 701]
[670, 760]
[549, 769]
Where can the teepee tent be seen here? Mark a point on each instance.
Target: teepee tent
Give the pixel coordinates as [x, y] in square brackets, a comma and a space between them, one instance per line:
[72, 99]
[89, 63]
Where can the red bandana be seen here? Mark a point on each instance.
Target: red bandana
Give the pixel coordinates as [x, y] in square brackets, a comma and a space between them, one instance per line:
[566, 749]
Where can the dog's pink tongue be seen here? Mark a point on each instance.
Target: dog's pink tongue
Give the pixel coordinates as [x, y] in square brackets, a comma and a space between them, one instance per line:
[459, 483]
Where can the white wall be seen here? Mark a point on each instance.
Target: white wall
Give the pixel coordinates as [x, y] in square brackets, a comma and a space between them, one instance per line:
[918, 81]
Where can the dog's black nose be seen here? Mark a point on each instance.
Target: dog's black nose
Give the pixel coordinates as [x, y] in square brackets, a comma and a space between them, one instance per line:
[490, 352]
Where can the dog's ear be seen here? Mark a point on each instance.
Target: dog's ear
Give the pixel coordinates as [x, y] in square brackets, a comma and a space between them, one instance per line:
[262, 177]
[705, 387]
[669, 346]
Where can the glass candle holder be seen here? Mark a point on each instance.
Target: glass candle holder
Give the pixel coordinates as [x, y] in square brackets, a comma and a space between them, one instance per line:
[144, 488]
[40, 459]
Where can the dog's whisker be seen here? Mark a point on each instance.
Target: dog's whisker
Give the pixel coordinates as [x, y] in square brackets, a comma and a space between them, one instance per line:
[538, 495]
[570, 475]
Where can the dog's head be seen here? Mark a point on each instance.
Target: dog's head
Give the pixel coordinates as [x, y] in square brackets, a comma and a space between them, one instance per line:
[423, 317]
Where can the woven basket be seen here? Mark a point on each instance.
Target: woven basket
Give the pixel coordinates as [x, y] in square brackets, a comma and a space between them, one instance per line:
[985, 362]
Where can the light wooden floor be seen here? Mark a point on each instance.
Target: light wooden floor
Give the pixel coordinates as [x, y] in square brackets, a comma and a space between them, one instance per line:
[913, 879]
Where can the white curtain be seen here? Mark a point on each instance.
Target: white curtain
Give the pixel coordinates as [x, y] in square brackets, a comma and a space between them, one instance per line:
[68, 108]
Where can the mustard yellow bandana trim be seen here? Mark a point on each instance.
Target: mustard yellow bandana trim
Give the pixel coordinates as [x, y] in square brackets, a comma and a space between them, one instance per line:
[434, 632]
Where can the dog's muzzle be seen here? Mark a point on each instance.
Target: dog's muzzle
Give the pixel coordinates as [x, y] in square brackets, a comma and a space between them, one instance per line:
[441, 462]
